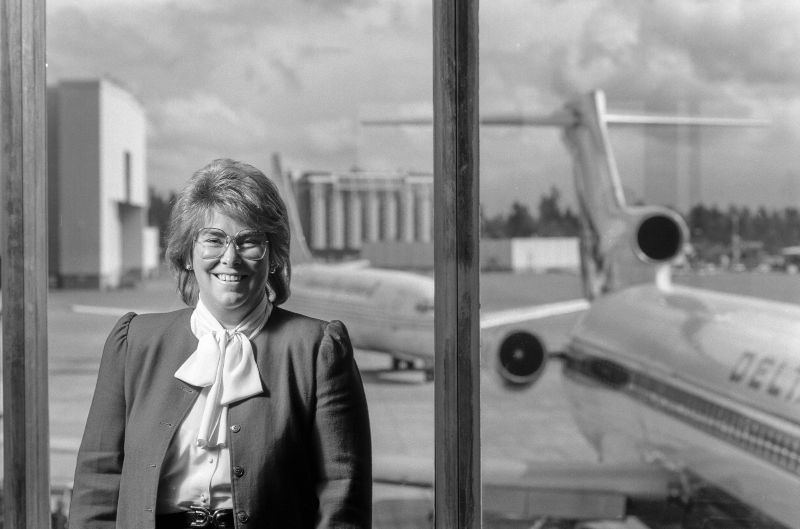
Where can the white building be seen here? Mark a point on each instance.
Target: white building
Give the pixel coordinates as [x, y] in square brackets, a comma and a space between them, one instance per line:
[97, 186]
[340, 212]
[531, 254]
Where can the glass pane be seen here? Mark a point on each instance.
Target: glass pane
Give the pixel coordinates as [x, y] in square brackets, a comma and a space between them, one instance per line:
[154, 91]
[665, 369]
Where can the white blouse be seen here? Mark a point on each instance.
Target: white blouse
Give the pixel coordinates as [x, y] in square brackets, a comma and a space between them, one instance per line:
[194, 475]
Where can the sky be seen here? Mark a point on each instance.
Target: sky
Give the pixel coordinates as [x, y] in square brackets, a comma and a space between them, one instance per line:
[246, 78]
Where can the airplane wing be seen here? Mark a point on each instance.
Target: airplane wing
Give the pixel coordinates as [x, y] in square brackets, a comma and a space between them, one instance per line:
[535, 490]
[112, 312]
[521, 315]
[516, 345]
[350, 265]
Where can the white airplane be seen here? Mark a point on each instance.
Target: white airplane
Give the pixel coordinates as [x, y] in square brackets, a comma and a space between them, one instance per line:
[691, 398]
[702, 382]
[390, 311]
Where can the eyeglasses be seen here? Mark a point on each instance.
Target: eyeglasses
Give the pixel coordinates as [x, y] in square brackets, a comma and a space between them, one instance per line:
[251, 245]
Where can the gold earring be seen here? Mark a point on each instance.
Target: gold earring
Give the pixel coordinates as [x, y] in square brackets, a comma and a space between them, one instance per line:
[188, 267]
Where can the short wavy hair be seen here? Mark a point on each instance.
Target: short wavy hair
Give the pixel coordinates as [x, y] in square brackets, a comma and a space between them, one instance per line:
[245, 194]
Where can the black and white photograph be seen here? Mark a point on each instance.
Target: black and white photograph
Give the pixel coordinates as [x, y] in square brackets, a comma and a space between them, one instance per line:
[400, 264]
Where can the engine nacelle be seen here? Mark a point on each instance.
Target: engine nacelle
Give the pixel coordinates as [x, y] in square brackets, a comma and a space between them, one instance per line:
[660, 234]
[519, 358]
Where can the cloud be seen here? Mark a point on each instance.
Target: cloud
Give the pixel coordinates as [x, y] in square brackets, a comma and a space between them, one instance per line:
[682, 49]
[331, 136]
[203, 118]
[252, 77]
[752, 42]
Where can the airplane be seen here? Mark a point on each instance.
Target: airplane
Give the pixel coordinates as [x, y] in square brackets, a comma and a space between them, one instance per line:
[706, 381]
[688, 396]
[386, 310]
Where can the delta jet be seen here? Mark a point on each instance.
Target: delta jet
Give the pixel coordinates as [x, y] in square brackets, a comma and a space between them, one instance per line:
[691, 398]
[704, 383]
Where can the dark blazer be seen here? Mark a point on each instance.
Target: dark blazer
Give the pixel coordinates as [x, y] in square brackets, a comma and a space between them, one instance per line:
[302, 447]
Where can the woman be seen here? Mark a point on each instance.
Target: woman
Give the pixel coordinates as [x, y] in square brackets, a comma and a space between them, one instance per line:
[234, 412]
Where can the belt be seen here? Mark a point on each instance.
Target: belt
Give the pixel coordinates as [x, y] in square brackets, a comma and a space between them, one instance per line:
[196, 517]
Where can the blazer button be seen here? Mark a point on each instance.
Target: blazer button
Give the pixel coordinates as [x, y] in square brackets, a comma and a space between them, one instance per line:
[236, 427]
[242, 516]
[238, 471]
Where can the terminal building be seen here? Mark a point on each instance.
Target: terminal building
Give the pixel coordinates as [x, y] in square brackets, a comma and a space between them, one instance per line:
[342, 212]
[97, 186]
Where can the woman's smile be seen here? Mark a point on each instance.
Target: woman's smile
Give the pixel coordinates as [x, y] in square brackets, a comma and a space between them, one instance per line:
[229, 278]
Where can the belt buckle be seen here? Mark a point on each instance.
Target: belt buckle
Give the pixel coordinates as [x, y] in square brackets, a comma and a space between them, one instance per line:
[216, 519]
[201, 517]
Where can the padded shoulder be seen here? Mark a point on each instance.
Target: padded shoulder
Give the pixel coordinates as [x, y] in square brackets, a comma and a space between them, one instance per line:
[158, 321]
[118, 337]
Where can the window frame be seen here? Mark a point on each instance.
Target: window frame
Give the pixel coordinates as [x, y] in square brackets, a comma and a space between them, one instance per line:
[23, 169]
[457, 479]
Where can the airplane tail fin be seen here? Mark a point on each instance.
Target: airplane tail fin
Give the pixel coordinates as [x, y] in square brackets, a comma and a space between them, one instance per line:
[298, 247]
[622, 244]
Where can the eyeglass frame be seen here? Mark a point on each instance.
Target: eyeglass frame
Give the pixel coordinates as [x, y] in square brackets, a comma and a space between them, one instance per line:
[232, 239]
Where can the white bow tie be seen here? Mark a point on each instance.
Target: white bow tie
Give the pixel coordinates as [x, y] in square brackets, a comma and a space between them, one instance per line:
[224, 366]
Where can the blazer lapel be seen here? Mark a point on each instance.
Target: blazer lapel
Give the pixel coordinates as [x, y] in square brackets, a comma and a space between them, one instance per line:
[182, 344]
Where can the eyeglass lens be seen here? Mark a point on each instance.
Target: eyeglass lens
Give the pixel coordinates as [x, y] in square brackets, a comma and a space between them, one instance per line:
[249, 244]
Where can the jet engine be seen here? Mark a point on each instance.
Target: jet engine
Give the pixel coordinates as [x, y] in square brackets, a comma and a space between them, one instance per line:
[660, 235]
[519, 358]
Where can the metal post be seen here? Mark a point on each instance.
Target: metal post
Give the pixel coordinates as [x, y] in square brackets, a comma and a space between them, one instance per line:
[457, 392]
[23, 160]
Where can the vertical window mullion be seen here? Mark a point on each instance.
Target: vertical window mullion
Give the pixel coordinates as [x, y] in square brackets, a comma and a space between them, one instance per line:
[456, 265]
[23, 217]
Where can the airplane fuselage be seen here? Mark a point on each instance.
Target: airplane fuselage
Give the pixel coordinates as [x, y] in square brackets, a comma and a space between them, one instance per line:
[703, 382]
[385, 310]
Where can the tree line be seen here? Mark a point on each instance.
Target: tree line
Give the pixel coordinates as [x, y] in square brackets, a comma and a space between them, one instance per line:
[158, 213]
[713, 230]
[552, 220]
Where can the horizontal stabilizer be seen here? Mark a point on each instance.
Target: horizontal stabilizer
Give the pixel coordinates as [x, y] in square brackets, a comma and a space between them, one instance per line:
[634, 119]
[561, 118]
[567, 117]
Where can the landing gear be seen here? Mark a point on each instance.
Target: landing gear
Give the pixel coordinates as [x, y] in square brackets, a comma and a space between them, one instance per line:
[398, 364]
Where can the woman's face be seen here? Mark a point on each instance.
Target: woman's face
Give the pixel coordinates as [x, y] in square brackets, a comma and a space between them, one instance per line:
[230, 286]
